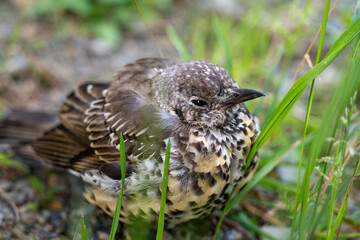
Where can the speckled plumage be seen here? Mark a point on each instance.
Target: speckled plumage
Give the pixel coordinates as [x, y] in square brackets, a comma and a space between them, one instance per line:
[195, 104]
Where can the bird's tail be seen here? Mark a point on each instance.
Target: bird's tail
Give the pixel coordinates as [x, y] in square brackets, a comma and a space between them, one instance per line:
[21, 128]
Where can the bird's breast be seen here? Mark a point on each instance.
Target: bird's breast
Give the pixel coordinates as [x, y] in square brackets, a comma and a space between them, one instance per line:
[205, 168]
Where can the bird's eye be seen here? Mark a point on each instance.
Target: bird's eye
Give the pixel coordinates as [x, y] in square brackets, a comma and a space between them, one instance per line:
[199, 102]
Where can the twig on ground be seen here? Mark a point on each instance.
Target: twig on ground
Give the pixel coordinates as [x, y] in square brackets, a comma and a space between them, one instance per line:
[13, 206]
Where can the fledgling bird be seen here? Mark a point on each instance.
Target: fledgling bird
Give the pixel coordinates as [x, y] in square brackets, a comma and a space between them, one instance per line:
[196, 104]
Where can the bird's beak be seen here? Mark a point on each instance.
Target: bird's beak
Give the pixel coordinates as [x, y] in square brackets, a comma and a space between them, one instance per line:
[242, 95]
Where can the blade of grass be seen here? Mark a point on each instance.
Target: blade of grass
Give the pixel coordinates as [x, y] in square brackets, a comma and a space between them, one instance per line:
[38, 185]
[76, 230]
[223, 43]
[344, 205]
[84, 235]
[178, 43]
[298, 194]
[341, 236]
[355, 16]
[119, 201]
[334, 187]
[7, 162]
[161, 220]
[338, 172]
[319, 183]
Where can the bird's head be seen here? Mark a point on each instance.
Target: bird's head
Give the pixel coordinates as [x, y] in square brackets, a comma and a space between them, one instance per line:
[201, 93]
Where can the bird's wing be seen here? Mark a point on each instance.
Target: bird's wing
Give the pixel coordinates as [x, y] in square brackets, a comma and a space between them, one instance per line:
[67, 144]
[143, 125]
[94, 115]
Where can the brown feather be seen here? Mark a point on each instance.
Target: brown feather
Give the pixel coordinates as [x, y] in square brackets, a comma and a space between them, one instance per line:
[93, 116]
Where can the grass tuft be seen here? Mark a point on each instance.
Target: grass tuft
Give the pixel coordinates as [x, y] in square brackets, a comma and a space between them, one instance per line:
[290, 99]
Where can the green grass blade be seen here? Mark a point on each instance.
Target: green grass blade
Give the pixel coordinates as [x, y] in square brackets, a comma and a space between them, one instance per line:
[341, 236]
[355, 16]
[298, 190]
[223, 43]
[321, 42]
[7, 162]
[344, 205]
[344, 37]
[178, 43]
[38, 185]
[317, 186]
[333, 189]
[294, 93]
[76, 230]
[119, 201]
[323, 29]
[161, 220]
[84, 235]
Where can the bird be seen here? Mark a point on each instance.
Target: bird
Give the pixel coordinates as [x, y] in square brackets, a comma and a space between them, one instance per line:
[195, 105]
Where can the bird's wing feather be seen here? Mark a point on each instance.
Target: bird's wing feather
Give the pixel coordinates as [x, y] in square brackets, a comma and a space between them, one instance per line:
[143, 125]
[94, 115]
[67, 145]
[72, 111]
